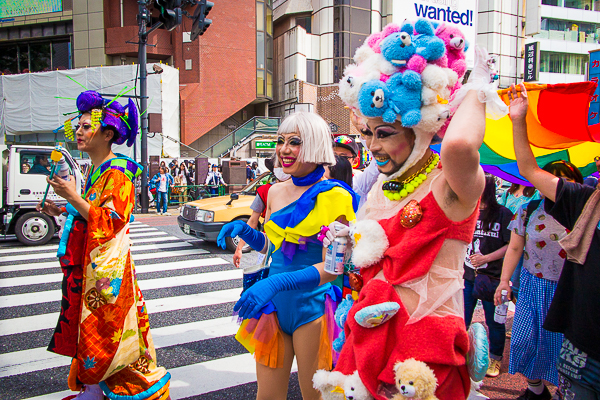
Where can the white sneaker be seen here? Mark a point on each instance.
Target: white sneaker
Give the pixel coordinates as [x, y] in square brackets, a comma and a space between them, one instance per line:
[166, 213]
[159, 213]
[90, 392]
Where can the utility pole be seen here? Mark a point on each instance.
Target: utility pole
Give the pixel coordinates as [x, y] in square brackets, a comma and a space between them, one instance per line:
[143, 16]
[171, 12]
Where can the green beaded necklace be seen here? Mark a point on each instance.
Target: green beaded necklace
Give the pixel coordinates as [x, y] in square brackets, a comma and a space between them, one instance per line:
[396, 190]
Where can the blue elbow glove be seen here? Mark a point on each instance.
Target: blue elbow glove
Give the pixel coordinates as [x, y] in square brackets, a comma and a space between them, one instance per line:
[254, 238]
[263, 291]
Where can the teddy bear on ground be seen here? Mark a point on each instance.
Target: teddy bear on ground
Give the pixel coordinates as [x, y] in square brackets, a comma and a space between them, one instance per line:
[456, 47]
[414, 380]
[341, 314]
[337, 386]
[400, 95]
[428, 47]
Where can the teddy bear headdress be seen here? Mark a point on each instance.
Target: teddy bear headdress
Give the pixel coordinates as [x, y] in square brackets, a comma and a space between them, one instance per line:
[407, 73]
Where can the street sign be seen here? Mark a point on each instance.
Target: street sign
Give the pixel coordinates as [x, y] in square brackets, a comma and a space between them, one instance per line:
[532, 64]
[265, 144]
[594, 76]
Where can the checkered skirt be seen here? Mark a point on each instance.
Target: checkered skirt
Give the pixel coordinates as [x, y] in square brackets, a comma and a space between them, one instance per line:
[533, 350]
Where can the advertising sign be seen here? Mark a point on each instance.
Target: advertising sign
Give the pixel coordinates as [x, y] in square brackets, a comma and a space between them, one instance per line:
[460, 13]
[532, 63]
[11, 8]
[594, 75]
[265, 144]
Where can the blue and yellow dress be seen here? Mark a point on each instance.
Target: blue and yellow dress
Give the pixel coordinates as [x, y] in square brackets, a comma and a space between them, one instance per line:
[292, 231]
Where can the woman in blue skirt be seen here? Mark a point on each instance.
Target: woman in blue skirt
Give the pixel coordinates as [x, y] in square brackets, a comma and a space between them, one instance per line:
[534, 350]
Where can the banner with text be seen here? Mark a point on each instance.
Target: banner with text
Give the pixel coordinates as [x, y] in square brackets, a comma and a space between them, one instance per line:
[11, 8]
[461, 13]
[594, 76]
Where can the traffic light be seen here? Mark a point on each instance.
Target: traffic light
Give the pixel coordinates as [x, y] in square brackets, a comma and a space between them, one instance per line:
[201, 23]
[170, 13]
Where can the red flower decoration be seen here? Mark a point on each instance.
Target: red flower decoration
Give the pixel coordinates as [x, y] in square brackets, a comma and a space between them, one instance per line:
[539, 275]
[541, 244]
[540, 227]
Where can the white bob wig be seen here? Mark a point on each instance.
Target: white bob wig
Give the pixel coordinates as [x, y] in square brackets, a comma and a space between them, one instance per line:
[317, 140]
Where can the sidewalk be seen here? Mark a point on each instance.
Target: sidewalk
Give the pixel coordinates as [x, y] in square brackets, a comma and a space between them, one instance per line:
[504, 386]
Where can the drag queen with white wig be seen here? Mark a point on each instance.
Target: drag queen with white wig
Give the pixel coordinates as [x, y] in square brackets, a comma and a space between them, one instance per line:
[290, 313]
[412, 233]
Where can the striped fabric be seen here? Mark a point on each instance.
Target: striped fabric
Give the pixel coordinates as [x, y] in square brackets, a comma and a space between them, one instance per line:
[533, 350]
[130, 168]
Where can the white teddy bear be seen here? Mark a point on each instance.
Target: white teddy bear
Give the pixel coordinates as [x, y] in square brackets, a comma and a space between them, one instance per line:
[336, 386]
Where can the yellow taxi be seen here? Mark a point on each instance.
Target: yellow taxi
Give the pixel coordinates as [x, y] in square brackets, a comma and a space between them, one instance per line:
[204, 218]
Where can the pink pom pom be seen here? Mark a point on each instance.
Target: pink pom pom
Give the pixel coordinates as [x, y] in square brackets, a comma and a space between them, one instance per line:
[417, 63]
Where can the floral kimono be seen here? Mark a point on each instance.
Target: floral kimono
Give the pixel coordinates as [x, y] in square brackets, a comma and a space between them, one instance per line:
[104, 323]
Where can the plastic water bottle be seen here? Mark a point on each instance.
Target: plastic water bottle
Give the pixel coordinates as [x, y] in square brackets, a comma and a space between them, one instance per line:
[62, 169]
[502, 309]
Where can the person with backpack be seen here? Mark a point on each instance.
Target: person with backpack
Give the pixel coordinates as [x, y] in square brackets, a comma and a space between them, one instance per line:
[534, 238]
[573, 311]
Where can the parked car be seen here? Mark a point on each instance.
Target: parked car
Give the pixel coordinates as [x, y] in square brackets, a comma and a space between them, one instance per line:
[204, 218]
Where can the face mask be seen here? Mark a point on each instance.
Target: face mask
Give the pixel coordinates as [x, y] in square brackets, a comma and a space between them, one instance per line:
[280, 175]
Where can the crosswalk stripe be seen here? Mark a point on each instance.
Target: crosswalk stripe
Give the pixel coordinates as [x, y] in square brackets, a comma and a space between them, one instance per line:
[215, 375]
[136, 257]
[31, 360]
[55, 246]
[48, 321]
[140, 269]
[24, 299]
[145, 229]
[144, 234]
[134, 249]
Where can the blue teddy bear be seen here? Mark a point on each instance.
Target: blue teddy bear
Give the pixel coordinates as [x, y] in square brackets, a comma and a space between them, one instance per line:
[398, 47]
[401, 94]
[341, 314]
[428, 46]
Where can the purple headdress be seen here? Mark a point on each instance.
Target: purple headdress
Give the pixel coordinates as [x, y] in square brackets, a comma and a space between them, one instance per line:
[125, 125]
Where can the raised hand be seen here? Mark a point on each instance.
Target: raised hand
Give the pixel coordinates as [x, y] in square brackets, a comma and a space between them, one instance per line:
[519, 102]
[254, 238]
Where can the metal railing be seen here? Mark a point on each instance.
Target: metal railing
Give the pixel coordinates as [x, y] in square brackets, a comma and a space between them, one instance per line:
[267, 125]
[187, 193]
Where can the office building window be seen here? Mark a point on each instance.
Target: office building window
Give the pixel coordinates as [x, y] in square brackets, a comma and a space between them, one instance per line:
[264, 48]
[552, 2]
[35, 56]
[563, 63]
[312, 71]
[305, 22]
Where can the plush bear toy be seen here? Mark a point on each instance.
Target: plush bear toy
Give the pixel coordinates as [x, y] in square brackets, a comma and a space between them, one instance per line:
[337, 386]
[400, 95]
[340, 319]
[374, 40]
[414, 380]
[371, 66]
[428, 47]
[456, 47]
[397, 48]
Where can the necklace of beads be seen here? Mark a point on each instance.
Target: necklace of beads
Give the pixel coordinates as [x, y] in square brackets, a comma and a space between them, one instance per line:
[396, 190]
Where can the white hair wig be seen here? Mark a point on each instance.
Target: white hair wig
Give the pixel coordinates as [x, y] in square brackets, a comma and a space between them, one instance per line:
[316, 137]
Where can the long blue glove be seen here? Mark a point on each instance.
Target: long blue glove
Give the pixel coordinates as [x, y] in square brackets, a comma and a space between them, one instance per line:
[263, 291]
[252, 237]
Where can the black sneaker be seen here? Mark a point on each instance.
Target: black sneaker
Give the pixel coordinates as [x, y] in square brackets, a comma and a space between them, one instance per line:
[529, 395]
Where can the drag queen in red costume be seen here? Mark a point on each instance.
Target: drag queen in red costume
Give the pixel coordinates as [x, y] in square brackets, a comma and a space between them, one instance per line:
[412, 233]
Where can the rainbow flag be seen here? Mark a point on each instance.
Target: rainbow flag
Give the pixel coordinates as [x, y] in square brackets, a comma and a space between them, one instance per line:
[557, 126]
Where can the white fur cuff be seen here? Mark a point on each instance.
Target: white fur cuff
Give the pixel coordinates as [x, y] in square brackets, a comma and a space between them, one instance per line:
[370, 243]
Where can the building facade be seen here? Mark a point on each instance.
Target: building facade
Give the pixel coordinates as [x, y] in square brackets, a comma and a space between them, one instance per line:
[569, 29]
[226, 75]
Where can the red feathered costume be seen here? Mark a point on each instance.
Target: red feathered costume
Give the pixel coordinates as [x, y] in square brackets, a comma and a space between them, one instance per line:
[441, 342]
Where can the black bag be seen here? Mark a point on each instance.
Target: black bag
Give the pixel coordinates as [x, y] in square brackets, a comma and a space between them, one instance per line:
[484, 287]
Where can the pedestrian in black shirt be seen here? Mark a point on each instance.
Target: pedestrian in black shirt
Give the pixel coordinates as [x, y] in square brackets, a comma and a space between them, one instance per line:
[575, 308]
[484, 257]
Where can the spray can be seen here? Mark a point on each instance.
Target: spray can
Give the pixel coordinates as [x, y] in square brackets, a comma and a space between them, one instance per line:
[336, 255]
